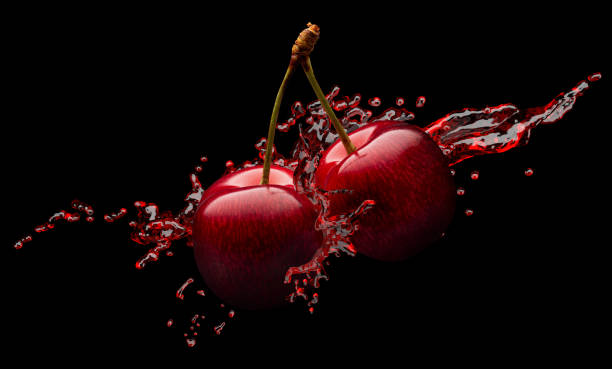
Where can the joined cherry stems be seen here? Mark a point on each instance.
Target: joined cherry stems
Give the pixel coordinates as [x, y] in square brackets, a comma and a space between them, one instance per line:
[300, 53]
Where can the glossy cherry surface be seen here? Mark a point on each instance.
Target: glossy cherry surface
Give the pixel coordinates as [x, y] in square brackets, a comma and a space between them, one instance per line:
[245, 238]
[403, 170]
[251, 177]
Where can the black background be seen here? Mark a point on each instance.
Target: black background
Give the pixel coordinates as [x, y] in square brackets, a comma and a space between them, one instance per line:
[114, 105]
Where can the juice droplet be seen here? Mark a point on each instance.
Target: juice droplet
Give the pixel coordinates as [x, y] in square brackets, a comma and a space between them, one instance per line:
[204, 159]
[475, 175]
[420, 102]
[594, 77]
[191, 342]
[453, 172]
[528, 172]
[170, 323]
[201, 293]
[469, 212]
[460, 191]
[181, 290]
[375, 101]
[19, 244]
[399, 101]
[219, 328]
[82, 207]
[110, 218]
[198, 169]
[399, 115]
[231, 313]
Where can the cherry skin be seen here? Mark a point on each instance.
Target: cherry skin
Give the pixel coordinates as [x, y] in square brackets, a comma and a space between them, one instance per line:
[247, 235]
[250, 177]
[399, 167]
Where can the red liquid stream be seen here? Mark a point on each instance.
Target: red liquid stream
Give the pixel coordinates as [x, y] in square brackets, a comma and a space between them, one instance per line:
[62, 215]
[470, 132]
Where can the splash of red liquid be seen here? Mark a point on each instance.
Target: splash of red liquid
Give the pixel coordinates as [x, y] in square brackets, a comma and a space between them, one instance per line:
[111, 218]
[162, 228]
[62, 215]
[470, 132]
[460, 135]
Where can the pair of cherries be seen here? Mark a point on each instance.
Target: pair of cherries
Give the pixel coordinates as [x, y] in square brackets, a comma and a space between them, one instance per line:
[247, 234]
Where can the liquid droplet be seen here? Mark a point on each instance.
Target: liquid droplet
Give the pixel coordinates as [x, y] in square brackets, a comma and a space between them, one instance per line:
[375, 101]
[170, 323]
[528, 172]
[420, 102]
[112, 217]
[181, 290]
[219, 328]
[594, 77]
[460, 191]
[231, 313]
[399, 101]
[82, 207]
[475, 175]
[19, 244]
[469, 212]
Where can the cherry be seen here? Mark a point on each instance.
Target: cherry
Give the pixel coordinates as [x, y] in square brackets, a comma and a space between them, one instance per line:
[251, 227]
[246, 235]
[245, 239]
[399, 167]
[396, 165]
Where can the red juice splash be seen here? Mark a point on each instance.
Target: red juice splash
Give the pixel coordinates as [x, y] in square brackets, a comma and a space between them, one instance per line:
[163, 228]
[460, 135]
[180, 292]
[420, 101]
[62, 215]
[25, 239]
[470, 132]
[112, 217]
[219, 328]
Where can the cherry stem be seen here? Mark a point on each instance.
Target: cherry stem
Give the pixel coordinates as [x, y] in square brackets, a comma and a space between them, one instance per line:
[346, 141]
[265, 179]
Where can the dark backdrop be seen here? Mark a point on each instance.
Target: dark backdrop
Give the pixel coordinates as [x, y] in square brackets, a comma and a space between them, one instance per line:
[116, 105]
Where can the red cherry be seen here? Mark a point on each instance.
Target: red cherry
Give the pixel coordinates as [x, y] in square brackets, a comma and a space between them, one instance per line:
[403, 170]
[247, 235]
